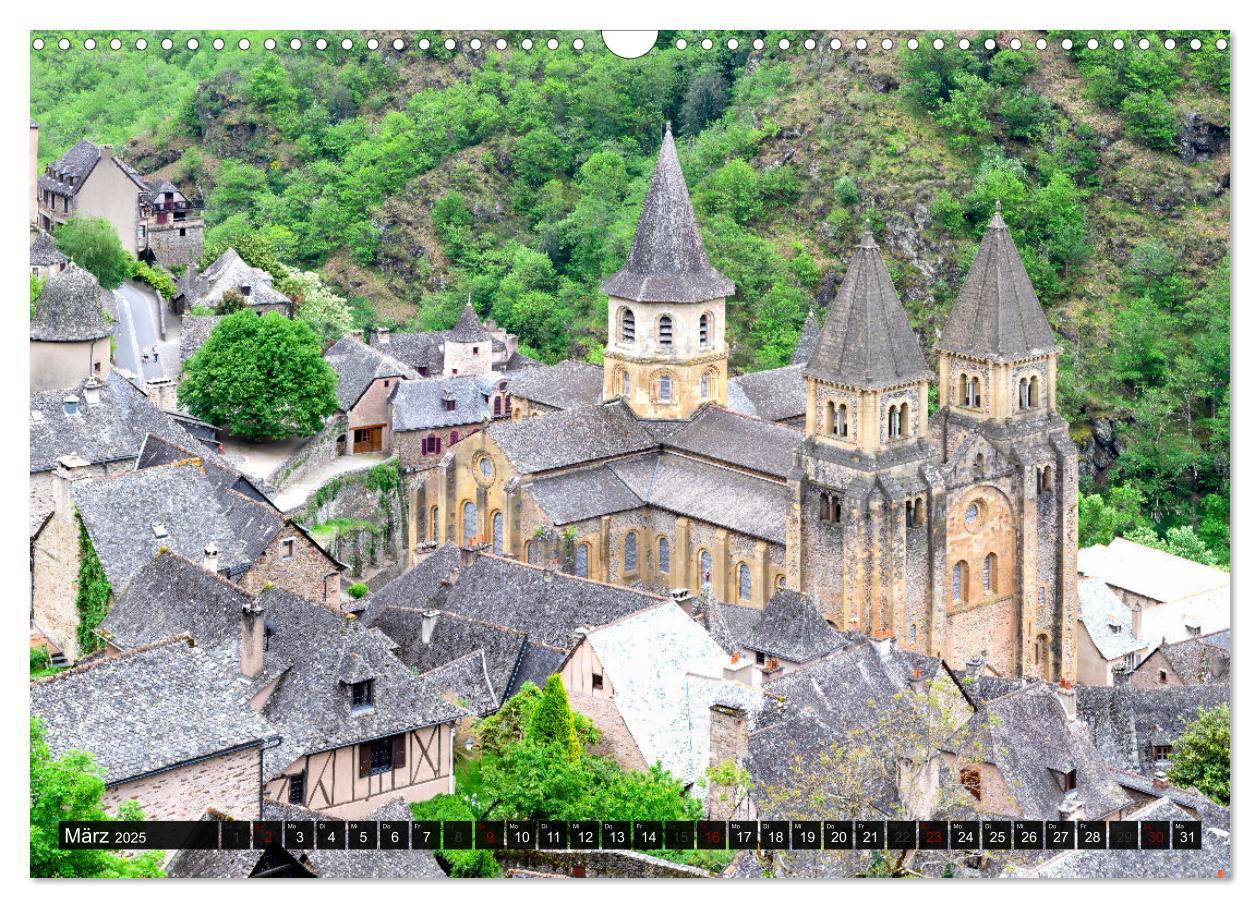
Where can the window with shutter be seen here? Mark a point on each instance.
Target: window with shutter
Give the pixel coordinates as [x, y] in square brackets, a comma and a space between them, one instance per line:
[400, 751]
[297, 788]
[365, 759]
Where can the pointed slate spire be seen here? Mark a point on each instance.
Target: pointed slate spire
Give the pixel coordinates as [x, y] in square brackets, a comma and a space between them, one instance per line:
[997, 316]
[808, 339]
[468, 329]
[667, 262]
[866, 341]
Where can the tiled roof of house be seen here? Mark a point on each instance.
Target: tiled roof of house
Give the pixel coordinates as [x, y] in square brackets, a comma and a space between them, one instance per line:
[44, 251]
[866, 341]
[357, 365]
[997, 315]
[422, 350]
[1107, 620]
[1028, 737]
[230, 272]
[668, 262]
[564, 386]
[807, 340]
[1149, 572]
[468, 328]
[581, 494]
[1197, 661]
[772, 394]
[193, 333]
[145, 710]
[666, 673]
[67, 174]
[71, 308]
[571, 437]
[1126, 722]
[466, 682]
[420, 404]
[791, 627]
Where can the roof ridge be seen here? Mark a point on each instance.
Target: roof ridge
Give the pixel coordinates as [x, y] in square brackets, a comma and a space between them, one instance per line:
[107, 659]
[170, 553]
[542, 567]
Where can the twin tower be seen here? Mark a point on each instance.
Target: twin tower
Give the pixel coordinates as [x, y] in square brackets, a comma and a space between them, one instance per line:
[954, 530]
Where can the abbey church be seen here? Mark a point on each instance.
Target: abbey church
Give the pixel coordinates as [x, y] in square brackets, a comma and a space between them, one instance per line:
[954, 531]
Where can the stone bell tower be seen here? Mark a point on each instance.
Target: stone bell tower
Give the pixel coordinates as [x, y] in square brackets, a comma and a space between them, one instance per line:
[666, 352]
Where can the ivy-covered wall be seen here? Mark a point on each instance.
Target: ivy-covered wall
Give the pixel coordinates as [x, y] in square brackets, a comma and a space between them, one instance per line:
[361, 518]
[92, 600]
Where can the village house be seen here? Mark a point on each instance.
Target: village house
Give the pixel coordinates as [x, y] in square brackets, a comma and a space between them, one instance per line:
[70, 333]
[1105, 640]
[1200, 660]
[429, 415]
[1171, 598]
[469, 348]
[1136, 728]
[366, 380]
[545, 389]
[46, 258]
[229, 273]
[167, 727]
[789, 632]
[153, 219]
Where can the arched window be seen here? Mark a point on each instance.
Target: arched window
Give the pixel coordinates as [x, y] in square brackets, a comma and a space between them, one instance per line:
[433, 522]
[894, 422]
[470, 523]
[903, 424]
[704, 386]
[745, 581]
[627, 326]
[630, 553]
[533, 552]
[496, 524]
[666, 388]
[1034, 391]
[960, 582]
[704, 330]
[1023, 394]
[829, 421]
[990, 573]
[706, 567]
[498, 405]
[624, 381]
[582, 560]
[1045, 479]
[1041, 655]
[914, 633]
[962, 389]
[971, 391]
[979, 463]
[920, 512]
[780, 582]
[909, 513]
[662, 555]
[665, 331]
[842, 420]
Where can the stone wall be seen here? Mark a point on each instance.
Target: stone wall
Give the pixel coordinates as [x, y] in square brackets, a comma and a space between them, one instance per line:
[307, 572]
[228, 783]
[41, 488]
[313, 453]
[54, 584]
[365, 526]
[171, 249]
[408, 446]
[595, 864]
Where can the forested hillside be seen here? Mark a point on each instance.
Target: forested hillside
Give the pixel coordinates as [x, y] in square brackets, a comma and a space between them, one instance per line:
[412, 179]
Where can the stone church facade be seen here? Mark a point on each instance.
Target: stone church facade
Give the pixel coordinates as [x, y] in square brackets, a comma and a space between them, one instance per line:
[954, 531]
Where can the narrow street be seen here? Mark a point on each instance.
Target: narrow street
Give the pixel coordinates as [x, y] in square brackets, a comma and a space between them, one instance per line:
[138, 333]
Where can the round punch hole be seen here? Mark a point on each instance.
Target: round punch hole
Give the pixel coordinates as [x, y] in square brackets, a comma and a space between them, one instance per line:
[733, 44]
[243, 44]
[861, 44]
[192, 44]
[449, 43]
[295, 44]
[913, 44]
[89, 44]
[810, 43]
[784, 44]
[681, 44]
[886, 44]
[578, 44]
[115, 44]
[217, 44]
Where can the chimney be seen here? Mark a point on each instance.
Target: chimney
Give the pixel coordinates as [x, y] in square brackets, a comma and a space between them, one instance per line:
[70, 404]
[1067, 698]
[467, 555]
[357, 334]
[428, 621]
[728, 734]
[252, 640]
[1072, 808]
[975, 667]
[918, 683]
[885, 647]
[92, 392]
[382, 336]
[69, 470]
[1161, 779]
[1120, 675]
[210, 558]
[771, 671]
[107, 152]
[743, 670]
[576, 637]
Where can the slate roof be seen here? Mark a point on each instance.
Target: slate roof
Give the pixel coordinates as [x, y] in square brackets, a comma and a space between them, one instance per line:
[668, 263]
[1028, 737]
[791, 627]
[1126, 722]
[571, 437]
[736, 439]
[467, 682]
[807, 340]
[173, 595]
[581, 494]
[67, 174]
[564, 386]
[145, 710]
[866, 341]
[420, 349]
[997, 315]
[44, 252]
[772, 394]
[1149, 572]
[420, 404]
[71, 308]
[1107, 620]
[194, 332]
[666, 673]
[468, 328]
[357, 365]
[229, 272]
[1196, 661]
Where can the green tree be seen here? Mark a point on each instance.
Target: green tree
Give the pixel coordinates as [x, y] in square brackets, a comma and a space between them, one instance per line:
[37, 287]
[462, 863]
[70, 788]
[552, 723]
[847, 191]
[1150, 118]
[92, 243]
[327, 313]
[260, 377]
[707, 96]
[1201, 755]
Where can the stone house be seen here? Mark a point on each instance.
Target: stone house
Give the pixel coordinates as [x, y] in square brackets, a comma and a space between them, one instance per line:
[69, 331]
[366, 380]
[153, 219]
[1136, 728]
[229, 273]
[166, 726]
[429, 415]
[788, 633]
[1201, 660]
[1105, 642]
[471, 347]
[46, 258]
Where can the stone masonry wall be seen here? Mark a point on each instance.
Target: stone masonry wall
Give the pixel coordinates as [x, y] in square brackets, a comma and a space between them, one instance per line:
[228, 783]
[309, 573]
[171, 249]
[314, 452]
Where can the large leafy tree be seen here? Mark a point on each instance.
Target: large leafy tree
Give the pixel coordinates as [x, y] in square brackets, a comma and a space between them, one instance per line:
[260, 377]
[1201, 754]
[70, 788]
[92, 243]
[317, 305]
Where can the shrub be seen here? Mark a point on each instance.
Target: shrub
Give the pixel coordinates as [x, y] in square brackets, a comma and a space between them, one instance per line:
[847, 192]
[357, 590]
[1150, 118]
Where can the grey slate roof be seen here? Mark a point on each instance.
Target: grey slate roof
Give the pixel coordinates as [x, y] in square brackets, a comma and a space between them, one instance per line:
[1126, 722]
[71, 308]
[421, 403]
[791, 627]
[1107, 620]
[1198, 661]
[468, 328]
[466, 681]
[737, 439]
[172, 595]
[44, 251]
[997, 315]
[772, 394]
[866, 341]
[668, 263]
[357, 365]
[229, 272]
[570, 437]
[194, 331]
[1028, 737]
[580, 494]
[565, 385]
[67, 173]
[145, 710]
[422, 350]
[807, 340]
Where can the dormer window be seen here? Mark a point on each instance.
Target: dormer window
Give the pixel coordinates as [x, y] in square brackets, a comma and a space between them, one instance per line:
[361, 697]
[1066, 780]
[245, 289]
[1115, 628]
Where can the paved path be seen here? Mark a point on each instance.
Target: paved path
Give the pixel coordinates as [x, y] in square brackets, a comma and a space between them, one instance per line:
[138, 332]
[295, 495]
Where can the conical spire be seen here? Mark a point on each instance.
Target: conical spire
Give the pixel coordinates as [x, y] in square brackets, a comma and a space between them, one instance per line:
[807, 340]
[70, 308]
[866, 340]
[997, 316]
[667, 262]
[469, 329]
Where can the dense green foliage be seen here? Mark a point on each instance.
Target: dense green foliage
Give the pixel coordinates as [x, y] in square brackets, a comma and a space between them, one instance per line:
[412, 180]
[41, 663]
[357, 590]
[93, 592]
[260, 377]
[1201, 755]
[158, 279]
[93, 243]
[70, 788]
[37, 287]
[552, 722]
